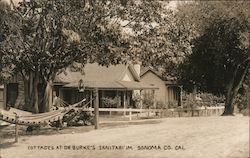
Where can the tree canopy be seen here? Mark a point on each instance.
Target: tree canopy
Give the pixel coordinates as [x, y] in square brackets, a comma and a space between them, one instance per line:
[221, 56]
[40, 38]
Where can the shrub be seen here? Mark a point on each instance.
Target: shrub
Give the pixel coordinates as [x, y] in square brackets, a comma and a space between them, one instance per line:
[148, 100]
[137, 99]
[111, 102]
[81, 119]
[242, 102]
[206, 99]
[160, 105]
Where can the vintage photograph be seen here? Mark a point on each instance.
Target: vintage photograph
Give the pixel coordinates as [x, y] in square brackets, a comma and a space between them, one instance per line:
[124, 78]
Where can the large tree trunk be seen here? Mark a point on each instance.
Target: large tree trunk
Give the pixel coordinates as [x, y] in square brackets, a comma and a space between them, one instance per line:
[35, 93]
[31, 92]
[233, 88]
[20, 102]
[48, 96]
[27, 100]
[229, 107]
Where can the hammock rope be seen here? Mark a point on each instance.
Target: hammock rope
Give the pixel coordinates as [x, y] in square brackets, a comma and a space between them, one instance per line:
[42, 119]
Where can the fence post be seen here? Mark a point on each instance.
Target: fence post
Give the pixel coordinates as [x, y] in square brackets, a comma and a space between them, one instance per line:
[179, 112]
[130, 114]
[206, 111]
[110, 114]
[16, 127]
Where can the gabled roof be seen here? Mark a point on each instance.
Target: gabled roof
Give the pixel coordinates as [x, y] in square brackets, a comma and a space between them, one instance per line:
[144, 70]
[168, 80]
[95, 72]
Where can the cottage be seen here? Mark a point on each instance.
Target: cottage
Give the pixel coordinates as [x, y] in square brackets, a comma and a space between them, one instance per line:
[169, 92]
[116, 85]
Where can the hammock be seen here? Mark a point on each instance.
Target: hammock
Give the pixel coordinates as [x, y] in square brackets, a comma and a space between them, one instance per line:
[42, 119]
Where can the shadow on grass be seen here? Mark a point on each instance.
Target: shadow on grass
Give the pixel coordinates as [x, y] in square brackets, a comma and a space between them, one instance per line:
[8, 134]
[125, 124]
[7, 144]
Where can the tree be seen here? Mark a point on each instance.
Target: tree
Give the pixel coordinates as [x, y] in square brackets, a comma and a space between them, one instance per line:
[43, 37]
[4, 8]
[166, 44]
[221, 58]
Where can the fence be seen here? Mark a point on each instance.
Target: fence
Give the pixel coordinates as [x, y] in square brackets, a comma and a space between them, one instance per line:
[179, 112]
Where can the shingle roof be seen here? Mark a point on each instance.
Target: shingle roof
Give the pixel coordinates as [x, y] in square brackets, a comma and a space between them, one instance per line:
[128, 85]
[137, 85]
[96, 84]
[96, 76]
[169, 80]
[94, 72]
[144, 70]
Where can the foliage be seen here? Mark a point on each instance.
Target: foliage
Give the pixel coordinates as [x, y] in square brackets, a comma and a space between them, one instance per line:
[190, 102]
[172, 105]
[137, 98]
[148, 100]
[111, 102]
[167, 44]
[212, 99]
[7, 72]
[242, 99]
[221, 56]
[81, 119]
[160, 105]
[41, 38]
[205, 99]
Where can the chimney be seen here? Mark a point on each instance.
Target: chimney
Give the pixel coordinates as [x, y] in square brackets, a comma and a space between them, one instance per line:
[137, 67]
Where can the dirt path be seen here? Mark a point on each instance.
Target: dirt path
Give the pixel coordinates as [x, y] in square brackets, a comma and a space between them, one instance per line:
[201, 137]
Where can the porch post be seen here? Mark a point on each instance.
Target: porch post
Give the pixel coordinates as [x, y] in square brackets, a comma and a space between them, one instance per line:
[127, 98]
[91, 97]
[124, 102]
[116, 95]
[166, 95]
[141, 98]
[61, 93]
[154, 100]
[181, 96]
[102, 96]
[96, 109]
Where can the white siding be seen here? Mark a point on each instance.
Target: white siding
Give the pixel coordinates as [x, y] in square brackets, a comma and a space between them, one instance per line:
[151, 78]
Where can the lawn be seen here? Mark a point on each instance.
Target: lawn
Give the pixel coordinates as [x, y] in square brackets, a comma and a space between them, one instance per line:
[187, 137]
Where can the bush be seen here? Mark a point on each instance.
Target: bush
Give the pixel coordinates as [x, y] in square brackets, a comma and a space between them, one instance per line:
[172, 105]
[73, 118]
[148, 100]
[160, 105]
[111, 102]
[137, 99]
[206, 99]
[242, 102]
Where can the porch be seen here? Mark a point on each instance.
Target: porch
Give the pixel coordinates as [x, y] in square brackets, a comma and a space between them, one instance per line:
[118, 94]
